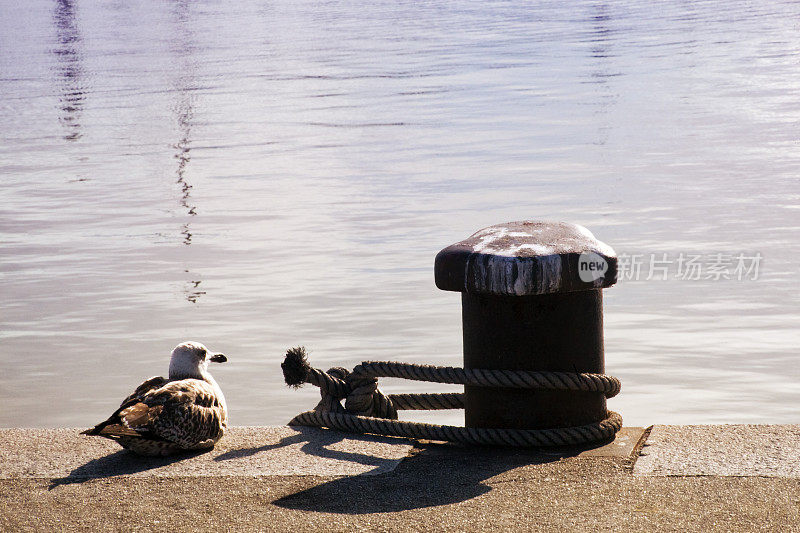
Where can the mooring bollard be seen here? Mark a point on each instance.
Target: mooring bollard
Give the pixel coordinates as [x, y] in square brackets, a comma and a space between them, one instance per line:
[531, 300]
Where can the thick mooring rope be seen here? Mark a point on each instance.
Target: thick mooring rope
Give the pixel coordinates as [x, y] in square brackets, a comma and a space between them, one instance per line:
[368, 410]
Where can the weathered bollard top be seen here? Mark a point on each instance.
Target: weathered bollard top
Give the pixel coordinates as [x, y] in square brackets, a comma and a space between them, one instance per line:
[527, 258]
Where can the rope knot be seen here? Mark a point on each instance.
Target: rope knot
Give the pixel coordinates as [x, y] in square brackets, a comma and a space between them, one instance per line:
[366, 399]
[360, 393]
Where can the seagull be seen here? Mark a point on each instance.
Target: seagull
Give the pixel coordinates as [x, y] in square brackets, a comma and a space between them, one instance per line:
[165, 416]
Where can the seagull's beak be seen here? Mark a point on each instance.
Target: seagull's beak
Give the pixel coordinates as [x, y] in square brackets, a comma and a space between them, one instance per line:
[218, 358]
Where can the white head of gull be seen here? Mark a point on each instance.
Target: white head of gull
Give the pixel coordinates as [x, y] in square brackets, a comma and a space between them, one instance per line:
[162, 416]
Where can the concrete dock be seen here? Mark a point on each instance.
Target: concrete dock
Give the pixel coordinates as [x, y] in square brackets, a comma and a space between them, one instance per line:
[667, 478]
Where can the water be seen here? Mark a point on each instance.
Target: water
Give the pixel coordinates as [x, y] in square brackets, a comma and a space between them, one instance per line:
[267, 174]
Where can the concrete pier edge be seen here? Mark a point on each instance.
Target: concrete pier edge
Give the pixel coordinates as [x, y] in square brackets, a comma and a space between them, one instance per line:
[727, 477]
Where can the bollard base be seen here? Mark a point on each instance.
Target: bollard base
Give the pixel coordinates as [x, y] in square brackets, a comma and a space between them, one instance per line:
[560, 332]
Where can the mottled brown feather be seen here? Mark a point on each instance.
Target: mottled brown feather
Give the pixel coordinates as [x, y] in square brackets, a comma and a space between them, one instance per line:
[162, 417]
[117, 430]
[191, 413]
[139, 415]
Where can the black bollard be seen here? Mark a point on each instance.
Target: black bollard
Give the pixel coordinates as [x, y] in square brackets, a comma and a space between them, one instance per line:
[531, 300]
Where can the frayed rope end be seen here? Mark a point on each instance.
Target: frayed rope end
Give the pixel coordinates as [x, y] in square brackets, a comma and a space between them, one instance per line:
[295, 367]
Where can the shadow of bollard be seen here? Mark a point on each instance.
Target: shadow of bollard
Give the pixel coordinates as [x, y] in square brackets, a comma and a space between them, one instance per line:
[316, 442]
[438, 474]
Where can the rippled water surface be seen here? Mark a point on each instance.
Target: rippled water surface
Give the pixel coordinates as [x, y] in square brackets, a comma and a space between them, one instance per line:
[258, 175]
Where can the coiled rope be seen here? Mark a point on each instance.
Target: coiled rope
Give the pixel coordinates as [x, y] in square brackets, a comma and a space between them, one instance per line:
[368, 410]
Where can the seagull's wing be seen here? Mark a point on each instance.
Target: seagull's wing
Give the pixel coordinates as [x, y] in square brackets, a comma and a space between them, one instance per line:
[113, 425]
[184, 412]
[146, 386]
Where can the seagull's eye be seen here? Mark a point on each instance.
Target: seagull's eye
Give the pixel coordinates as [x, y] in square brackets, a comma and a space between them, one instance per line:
[203, 353]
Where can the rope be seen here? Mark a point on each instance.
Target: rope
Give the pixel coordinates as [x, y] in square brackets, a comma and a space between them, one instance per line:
[516, 379]
[367, 410]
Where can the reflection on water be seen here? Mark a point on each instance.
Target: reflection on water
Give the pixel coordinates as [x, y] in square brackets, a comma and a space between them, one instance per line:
[70, 68]
[182, 48]
[601, 39]
[184, 85]
[192, 290]
[256, 177]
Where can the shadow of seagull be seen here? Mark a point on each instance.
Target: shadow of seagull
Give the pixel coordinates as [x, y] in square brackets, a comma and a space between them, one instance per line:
[316, 442]
[119, 463]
